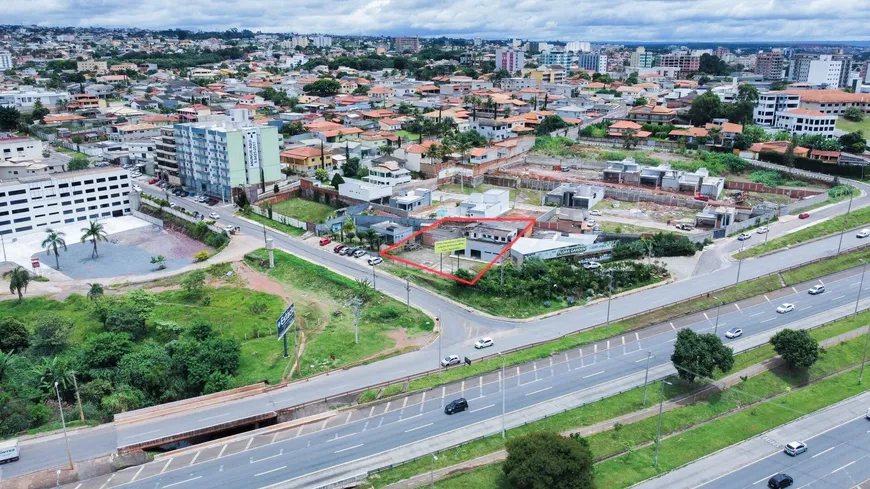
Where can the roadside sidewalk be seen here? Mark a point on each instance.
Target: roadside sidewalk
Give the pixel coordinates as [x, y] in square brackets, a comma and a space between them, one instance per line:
[651, 411]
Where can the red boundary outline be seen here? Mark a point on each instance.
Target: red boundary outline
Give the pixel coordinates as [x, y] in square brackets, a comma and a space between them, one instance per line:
[530, 221]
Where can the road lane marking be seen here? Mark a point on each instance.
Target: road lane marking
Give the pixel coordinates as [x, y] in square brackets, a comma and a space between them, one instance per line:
[706, 316]
[186, 480]
[166, 466]
[766, 320]
[539, 391]
[372, 410]
[481, 409]
[593, 375]
[423, 401]
[196, 456]
[823, 452]
[805, 308]
[419, 427]
[266, 472]
[756, 314]
[269, 457]
[795, 290]
[843, 467]
[250, 440]
[672, 326]
[214, 417]
[140, 434]
[637, 336]
[339, 437]
[299, 431]
[641, 360]
[765, 296]
[837, 298]
[225, 447]
[766, 478]
[737, 306]
[134, 476]
[672, 340]
[348, 448]
[107, 481]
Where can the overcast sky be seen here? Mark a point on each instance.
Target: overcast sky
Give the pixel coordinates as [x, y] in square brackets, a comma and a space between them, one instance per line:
[584, 20]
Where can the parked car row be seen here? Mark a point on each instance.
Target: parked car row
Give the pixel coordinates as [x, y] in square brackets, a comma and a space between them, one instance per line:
[346, 250]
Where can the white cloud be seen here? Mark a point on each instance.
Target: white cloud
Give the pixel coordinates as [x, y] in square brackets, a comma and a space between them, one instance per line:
[595, 20]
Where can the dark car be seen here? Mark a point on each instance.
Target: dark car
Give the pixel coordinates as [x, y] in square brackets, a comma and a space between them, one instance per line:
[780, 481]
[458, 405]
[212, 201]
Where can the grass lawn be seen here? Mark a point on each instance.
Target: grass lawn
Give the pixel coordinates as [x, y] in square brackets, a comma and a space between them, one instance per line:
[325, 315]
[849, 126]
[619, 227]
[613, 442]
[291, 230]
[831, 226]
[830, 200]
[523, 195]
[407, 137]
[304, 210]
[826, 267]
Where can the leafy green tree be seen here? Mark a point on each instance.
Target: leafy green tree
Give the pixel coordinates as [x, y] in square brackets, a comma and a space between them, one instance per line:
[217, 382]
[194, 282]
[347, 226]
[9, 118]
[747, 93]
[39, 111]
[796, 347]
[19, 278]
[545, 460]
[336, 180]
[788, 159]
[13, 335]
[51, 334]
[78, 162]
[321, 174]
[854, 114]
[699, 354]
[6, 361]
[147, 368]
[95, 232]
[629, 139]
[323, 87]
[160, 261]
[103, 352]
[350, 167]
[123, 320]
[551, 123]
[854, 142]
[778, 85]
[52, 243]
[640, 101]
[705, 108]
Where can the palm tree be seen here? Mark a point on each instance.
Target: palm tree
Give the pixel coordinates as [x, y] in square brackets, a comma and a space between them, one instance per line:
[54, 240]
[94, 232]
[715, 134]
[18, 280]
[463, 147]
[432, 152]
[6, 360]
[388, 150]
[95, 291]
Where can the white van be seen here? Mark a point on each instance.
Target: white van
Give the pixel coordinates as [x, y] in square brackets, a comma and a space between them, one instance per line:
[8, 451]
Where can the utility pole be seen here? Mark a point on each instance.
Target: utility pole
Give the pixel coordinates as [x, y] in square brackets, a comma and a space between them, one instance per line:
[440, 334]
[78, 398]
[739, 264]
[63, 423]
[867, 341]
[408, 290]
[503, 358]
[3, 242]
[432, 472]
[374, 279]
[659, 430]
[646, 377]
[843, 231]
[716, 328]
[356, 302]
[265, 240]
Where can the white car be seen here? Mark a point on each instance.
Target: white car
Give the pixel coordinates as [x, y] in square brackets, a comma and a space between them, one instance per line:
[795, 448]
[450, 360]
[595, 212]
[787, 307]
[744, 236]
[592, 265]
[863, 233]
[590, 222]
[359, 253]
[762, 230]
[214, 215]
[484, 343]
[734, 333]
[375, 260]
[137, 188]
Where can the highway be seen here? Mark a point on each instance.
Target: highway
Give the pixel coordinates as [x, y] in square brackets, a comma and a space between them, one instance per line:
[461, 327]
[392, 429]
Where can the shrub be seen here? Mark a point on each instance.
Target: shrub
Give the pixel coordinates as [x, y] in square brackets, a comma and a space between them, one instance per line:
[13, 335]
[201, 256]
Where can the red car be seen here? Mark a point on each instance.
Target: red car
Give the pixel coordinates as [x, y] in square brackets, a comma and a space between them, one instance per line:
[803, 215]
[152, 181]
[325, 241]
[338, 248]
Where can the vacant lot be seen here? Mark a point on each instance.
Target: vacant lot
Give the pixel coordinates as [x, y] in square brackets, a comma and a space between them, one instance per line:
[849, 126]
[304, 210]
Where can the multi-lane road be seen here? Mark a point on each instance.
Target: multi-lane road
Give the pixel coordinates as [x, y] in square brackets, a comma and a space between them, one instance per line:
[461, 327]
[591, 366]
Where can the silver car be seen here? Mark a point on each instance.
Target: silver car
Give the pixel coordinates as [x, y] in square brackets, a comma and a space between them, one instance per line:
[734, 333]
[795, 448]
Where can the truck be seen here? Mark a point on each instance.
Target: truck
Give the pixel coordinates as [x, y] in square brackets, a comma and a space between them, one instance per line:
[9, 451]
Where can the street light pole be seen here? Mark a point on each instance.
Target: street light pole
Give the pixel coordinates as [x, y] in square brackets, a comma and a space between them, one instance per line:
[716, 328]
[374, 279]
[646, 377]
[659, 430]
[502, 394]
[739, 265]
[867, 341]
[440, 334]
[432, 472]
[408, 290]
[843, 231]
[63, 423]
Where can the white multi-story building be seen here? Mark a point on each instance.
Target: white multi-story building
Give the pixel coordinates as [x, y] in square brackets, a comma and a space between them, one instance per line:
[562, 58]
[771, 104]
[34, 203]
[218, 155]
[512, 60]
[24, 100]
[593, 62]
[98, 67]
[389, 173]
[805, 121]
[831, 70]
[578, 46]
[5, 60]
[20, 147]
[322, 41]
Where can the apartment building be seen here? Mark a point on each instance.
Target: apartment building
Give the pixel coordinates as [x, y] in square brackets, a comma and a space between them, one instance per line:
[545, 74]
[592, 62]
[164, 156]
[769, 65]
[5, 60]
[33, 203]
[578, 46]
[512, 60]
[23, 100]
[98, 67]
[121, 133]
[831, 70]
[20, 147]
[216, 156]
[686, 63]
[411, 44]
[322, 41]
[771, 104]
[556, 58]
[642, 59]
[805, 121]
[833, 102]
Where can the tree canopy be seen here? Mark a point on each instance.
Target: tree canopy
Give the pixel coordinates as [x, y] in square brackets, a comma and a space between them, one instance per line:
[699, 354]
[796, 347]
[546, 460]
[323, 87]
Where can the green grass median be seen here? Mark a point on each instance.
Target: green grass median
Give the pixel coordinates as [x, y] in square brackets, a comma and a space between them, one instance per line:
[834, 225]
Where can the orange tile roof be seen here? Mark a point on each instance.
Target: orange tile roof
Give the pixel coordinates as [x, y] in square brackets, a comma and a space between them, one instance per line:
[625, 125]
[825, 96]
[808, 112]
[301, 153]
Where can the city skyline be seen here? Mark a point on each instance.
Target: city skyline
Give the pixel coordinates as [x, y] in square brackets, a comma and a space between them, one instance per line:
[622, 20]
